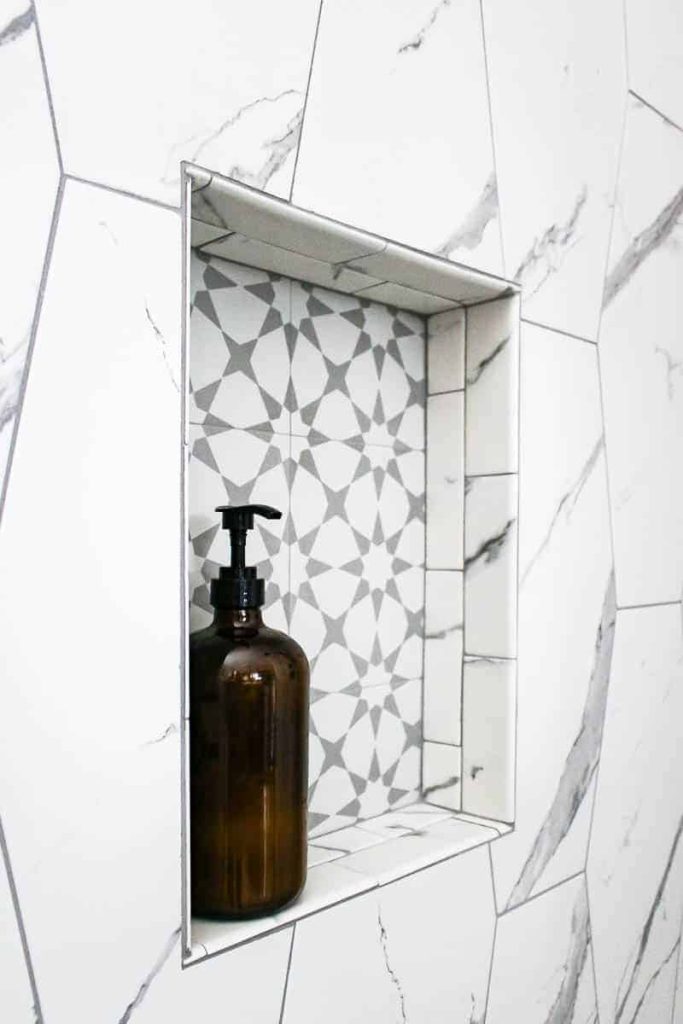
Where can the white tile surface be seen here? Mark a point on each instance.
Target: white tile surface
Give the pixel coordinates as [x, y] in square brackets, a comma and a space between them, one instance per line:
[100, 890]
[557, 80]
[354, 164]
[491, 566]
[366, 954]
[446, 351]
[654, 33]
[553, 977]
[641, 353]
[246, 983]
[492, 382]
[16, 997]
[445, 483]
[635, 864]
[443, 656]
[442, 774]
[29, 168]
[566, 614]
[195, 88]
[488, 738]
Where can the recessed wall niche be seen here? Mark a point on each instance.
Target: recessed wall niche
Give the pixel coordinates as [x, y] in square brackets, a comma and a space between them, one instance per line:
[369, 391]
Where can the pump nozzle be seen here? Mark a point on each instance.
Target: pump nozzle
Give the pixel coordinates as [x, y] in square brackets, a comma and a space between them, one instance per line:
[238, 586]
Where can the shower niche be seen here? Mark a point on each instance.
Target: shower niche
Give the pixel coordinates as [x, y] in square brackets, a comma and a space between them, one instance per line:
[370, 391]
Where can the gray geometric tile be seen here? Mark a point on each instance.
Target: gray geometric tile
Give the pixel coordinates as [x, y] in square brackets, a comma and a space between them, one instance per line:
[239, 357]
[358, 370]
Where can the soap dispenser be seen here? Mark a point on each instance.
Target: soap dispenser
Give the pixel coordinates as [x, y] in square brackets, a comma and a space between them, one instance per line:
[249, 690]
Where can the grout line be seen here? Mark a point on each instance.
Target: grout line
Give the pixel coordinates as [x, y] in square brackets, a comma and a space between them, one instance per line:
[516, 309]
[303, 110]
[677, 989]
[48, 90]
[32, 340]
[289, 967]
[490, 977]
[463, 505]
[185, 865]
[654, 110]
[450, 391]
[557, 330]
[214, 241]
[544, 892]
[445, 743]
[624, 28]
[4, 851]
[492, 133]
[651, 604]
[592, 950]
[485, 476]
[123, 192]
[493, 881]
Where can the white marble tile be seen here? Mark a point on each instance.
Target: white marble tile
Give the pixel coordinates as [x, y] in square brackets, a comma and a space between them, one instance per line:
[100, 697]
[245, 984]
[492, 383]
[29, 168]
[442, 774]
[542, 967]
[491, 566]
[406, 298]
[635, 864]
[678, 1004]
[446, 351]
[654, 36]
[488, 738]
[641, 353]
[16, 997]
[557, 79]
[366, 953]
[443, 656]
[566, 614]
[445, 481]
[345, 840]
[353, 162]
[215, 88]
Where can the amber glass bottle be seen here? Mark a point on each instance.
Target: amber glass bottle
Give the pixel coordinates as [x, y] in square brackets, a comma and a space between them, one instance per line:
[248, 747]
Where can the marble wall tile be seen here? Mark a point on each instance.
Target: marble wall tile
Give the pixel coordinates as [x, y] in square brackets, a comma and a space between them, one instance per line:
[16, 997]
[99, 878]
[353, 161]
[237, 467]
[442, 774]
[678, 1003]
[30, 167]
[365, 951]
[443, 656]
[635, 864]
[654, 35]
[553, 979]
[557, 80]
[492, 379]
[567, 609]
[446, 351]
[641, 354]
[239, 346]
[210, 91]
[445, 480]
[246, 984]
[490, 566]
[488, 738]
[358, 370]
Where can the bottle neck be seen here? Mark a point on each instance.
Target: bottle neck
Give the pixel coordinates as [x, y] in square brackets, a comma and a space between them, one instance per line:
[246, 619]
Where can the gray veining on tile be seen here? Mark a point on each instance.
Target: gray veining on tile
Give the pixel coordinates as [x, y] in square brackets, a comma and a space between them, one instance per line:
[470, 231]
[581, 761]
[165, 953]
[654, 235]
[491, 549]
[16, 27]
[390, 970]
[475, 372]
[416, 42]
[567, 503]
[546, 254]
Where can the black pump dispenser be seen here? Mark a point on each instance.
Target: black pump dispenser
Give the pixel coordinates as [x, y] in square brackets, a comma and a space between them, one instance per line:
[237, 585]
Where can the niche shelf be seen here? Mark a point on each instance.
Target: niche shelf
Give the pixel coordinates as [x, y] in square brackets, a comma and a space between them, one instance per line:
[371, 390]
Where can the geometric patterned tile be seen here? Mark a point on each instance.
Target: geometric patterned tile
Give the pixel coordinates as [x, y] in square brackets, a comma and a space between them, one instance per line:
[235, 467]
[358, 370]
[239, 364]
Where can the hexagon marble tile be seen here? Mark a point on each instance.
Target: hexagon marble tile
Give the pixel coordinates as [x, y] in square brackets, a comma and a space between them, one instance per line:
[26, 132]
[365, 952]
[214, 97]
